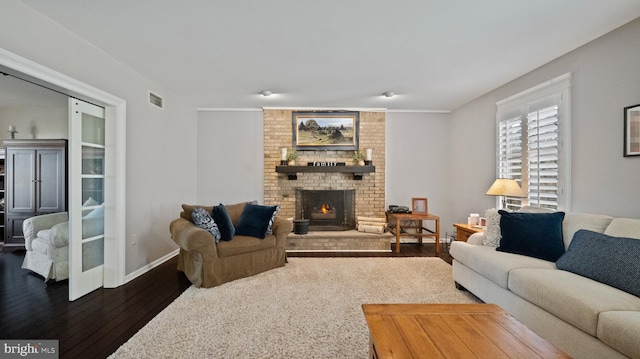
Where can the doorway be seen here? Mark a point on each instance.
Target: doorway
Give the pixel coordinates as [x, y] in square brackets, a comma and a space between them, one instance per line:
[115, 134]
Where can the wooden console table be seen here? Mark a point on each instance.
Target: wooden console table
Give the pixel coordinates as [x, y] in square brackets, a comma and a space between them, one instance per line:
[451, 331]
[398, 229]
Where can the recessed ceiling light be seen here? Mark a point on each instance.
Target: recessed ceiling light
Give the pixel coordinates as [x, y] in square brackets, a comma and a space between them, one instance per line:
[266, 93]
[388, 94]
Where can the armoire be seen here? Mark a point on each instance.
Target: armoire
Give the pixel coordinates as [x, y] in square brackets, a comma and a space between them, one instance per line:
[35, 183]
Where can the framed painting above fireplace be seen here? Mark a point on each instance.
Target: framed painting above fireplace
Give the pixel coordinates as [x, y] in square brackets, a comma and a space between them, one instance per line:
[336, 130]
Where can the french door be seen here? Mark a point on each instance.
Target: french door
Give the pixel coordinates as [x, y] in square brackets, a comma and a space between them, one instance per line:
[86, 197]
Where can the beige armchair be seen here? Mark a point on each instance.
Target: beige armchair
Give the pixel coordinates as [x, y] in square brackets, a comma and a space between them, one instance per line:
[207, 263]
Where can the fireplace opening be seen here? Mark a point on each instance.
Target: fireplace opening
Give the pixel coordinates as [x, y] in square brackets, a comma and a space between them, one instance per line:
[327, 210]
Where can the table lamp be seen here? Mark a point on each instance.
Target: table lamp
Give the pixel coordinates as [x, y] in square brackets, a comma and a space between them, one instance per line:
[506, 188]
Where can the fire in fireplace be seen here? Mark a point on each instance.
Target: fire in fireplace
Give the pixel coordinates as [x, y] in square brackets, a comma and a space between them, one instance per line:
[327, 210]
[324, 212]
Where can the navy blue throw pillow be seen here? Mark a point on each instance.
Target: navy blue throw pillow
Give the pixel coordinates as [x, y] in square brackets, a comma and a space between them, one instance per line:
[254, 220]
[609, 260]
[222, 219]
[537, 235]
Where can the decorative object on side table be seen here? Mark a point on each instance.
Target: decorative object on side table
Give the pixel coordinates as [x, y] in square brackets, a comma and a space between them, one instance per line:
[632, 131]
[506, 188]
[419, 205]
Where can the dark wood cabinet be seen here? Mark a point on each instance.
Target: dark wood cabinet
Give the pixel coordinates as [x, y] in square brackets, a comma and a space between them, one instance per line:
[35, 184]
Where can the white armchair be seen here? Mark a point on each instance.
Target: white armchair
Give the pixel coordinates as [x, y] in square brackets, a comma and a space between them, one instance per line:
[46, 240]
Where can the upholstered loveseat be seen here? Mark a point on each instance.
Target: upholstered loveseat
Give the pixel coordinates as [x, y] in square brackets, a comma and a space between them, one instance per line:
[207, 263]
[584, 317]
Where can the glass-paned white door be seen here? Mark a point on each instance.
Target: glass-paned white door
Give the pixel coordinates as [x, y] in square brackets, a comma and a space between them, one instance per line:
[86, 197]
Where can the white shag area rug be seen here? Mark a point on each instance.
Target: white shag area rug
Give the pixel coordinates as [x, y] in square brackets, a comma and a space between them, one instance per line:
[311, 308]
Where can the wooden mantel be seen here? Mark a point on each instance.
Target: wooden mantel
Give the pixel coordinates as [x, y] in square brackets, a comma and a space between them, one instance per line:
[358, 171]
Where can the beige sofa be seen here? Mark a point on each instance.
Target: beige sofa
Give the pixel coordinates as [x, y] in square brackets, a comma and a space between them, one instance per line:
[208, 264]
[583, 317]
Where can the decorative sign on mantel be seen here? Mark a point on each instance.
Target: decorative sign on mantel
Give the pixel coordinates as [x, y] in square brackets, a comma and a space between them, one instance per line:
[325, 163]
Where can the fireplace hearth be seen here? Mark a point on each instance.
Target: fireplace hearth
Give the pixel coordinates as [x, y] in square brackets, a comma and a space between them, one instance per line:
[326, 210]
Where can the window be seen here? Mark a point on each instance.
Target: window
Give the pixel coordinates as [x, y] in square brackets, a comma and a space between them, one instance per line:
[533, 144]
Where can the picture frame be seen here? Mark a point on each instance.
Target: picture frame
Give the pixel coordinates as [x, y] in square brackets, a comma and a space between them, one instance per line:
[335, 130]
[419, 205]
[632, 131]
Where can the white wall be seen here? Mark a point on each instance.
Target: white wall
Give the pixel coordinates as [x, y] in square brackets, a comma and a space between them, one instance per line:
[605, 80]
[36, 112]
[160, 144]
[230, 157]
[35, 122]
[418, 162]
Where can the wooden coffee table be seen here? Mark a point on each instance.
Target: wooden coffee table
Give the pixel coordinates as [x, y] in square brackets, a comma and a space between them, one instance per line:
[451, 331]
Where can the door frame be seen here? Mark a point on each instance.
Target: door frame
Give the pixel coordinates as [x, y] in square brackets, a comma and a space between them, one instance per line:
[115, 114]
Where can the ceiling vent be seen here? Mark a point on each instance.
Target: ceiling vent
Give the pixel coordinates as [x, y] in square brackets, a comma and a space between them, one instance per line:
[156, 100]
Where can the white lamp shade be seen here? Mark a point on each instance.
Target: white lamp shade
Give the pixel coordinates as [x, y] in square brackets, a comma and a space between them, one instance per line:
[505, 187]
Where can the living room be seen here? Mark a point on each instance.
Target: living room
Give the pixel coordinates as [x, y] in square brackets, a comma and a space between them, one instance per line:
[188, 154]
[418, 165]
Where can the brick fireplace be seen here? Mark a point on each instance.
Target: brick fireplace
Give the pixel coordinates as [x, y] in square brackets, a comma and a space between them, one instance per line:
[368, 192]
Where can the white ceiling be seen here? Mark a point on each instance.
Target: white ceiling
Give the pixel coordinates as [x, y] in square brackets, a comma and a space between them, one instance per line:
[434, 54]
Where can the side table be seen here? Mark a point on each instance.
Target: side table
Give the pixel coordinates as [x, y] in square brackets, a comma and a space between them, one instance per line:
[463, 231]
[396, 227]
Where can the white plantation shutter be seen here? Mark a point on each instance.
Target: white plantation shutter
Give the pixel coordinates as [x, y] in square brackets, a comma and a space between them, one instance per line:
[542, 157]
[533, 144]
[510, 153]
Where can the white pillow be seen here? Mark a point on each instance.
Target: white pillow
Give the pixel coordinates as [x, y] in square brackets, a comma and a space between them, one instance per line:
[90, 202]
[491, 235]
[96, 213]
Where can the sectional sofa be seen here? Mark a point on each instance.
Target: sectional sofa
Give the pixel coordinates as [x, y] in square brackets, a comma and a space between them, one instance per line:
[590, 308]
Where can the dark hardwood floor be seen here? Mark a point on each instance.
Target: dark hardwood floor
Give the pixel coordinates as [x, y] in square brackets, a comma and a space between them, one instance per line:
[97, 324]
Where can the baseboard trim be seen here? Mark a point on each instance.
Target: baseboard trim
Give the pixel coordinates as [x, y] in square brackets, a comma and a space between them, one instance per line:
[135, 274]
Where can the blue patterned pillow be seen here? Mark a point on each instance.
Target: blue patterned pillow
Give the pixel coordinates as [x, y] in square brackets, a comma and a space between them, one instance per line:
[537, 235]
[221, 217]
[609, 260]
[254, 220]
[202, 219]
[273, 218]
